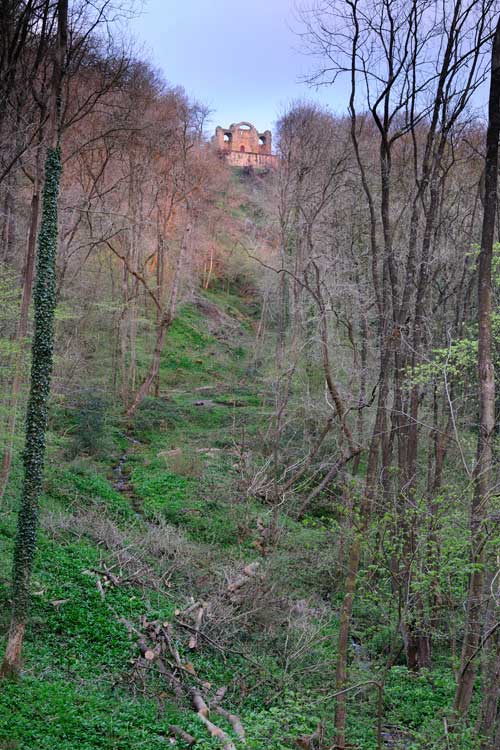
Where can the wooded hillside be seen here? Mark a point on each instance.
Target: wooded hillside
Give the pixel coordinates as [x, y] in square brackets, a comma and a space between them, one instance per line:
[248, 424]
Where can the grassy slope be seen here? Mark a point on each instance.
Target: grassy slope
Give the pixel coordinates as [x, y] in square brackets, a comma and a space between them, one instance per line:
[185, 518]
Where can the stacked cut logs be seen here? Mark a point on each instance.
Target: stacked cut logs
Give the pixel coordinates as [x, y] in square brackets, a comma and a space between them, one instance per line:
[157, 649]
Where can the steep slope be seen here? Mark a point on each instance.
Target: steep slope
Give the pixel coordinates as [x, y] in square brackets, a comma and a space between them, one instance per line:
[165, 581]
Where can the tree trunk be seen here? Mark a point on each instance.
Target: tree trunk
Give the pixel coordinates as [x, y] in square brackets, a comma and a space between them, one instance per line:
[36, 420]
[164, 324]
[490, 707]
[343, 640]
[41, 370]
[9, 221]
[483, 468]
[355, 556]
[22, 329]
[124, 325]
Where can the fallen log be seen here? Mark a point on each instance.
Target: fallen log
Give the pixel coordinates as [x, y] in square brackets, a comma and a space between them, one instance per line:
[148, 653]
[219, 696]
[185, 736]
[234, 720]
[157, 653]
[249, 571]
[215, 731]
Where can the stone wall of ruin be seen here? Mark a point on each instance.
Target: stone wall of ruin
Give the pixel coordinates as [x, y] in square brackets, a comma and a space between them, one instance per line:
[242, 145]
[257, 161]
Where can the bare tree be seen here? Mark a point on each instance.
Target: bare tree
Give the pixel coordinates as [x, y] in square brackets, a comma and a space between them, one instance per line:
[413, 92]
[486, 378]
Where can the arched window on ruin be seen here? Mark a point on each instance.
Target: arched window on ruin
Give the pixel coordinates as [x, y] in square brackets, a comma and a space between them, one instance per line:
[242, 149]
[262, 142]
[228, 138]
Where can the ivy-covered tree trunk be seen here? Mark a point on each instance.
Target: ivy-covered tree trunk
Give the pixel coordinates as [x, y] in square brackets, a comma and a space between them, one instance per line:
[44, 304]
[36, 418]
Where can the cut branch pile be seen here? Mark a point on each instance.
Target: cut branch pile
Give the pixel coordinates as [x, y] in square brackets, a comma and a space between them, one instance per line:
[157, 649]
[211, 621]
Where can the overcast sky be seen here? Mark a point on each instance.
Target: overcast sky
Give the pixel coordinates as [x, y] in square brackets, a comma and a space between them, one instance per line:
[241, 58]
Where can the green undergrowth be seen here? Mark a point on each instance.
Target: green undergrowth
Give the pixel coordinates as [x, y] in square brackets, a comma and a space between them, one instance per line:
[81, 487]
[199, 350]
[60, 713]
[184, 471]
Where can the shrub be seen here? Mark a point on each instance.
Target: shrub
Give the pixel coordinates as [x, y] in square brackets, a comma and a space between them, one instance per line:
[91, 430]
[155, 414]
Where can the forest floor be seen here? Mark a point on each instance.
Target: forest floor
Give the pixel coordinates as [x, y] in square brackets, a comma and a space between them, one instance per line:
[157, 583]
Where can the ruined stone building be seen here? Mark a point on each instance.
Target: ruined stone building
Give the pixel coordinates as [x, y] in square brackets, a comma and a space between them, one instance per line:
[241, 145]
